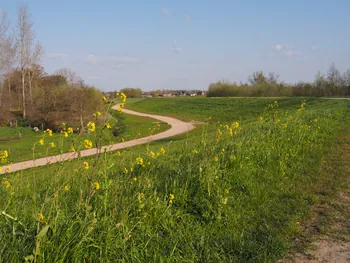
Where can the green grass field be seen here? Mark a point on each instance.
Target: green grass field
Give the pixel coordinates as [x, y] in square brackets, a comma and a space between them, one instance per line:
[232, 193]
[21, 149]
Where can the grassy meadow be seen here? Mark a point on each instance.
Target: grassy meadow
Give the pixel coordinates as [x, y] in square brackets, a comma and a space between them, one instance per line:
[232, 190]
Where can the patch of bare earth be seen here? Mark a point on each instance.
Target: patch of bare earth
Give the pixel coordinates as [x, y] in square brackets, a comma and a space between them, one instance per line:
[326, 233]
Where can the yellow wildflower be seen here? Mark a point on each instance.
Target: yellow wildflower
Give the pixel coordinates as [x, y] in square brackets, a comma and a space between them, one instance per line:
[86, 165]
[171, 196]
[52, 145]
[236, 124]
[97, 185]
[131, 169]
[87, 144]
[123, 140]
[139, 161]
[104, 98]
[152, 155]
[63, 124]
[6, 183]
[118, 153]
[162, 150]
[42, 218]
[41, 142]
[73, 149]
[126, 171]
[108, 126]
[231, 132]
[66, 187]
[260, 118]
[48, 132]
[216, 158]
[195, 151]
[70, 130]
[65, 134]
[91, 126]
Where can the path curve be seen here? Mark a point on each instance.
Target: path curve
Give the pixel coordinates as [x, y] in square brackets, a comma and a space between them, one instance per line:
[177, 127]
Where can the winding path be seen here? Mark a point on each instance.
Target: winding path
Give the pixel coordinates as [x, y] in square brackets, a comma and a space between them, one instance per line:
[177, 127]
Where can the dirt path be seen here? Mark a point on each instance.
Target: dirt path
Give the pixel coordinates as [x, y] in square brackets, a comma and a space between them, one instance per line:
[326, 234]
[177, 127]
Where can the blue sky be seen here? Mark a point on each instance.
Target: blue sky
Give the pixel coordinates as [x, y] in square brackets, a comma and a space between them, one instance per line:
[184, 44]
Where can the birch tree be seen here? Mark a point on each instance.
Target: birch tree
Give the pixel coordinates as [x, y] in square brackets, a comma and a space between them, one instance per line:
[25, 37]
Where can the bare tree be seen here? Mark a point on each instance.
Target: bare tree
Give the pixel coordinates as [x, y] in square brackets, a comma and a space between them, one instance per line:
[10, 51]
[4, 24]
[33, 71]
[72, 78]
[25, 39]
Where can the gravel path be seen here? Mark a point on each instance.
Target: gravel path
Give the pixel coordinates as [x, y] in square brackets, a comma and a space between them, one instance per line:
[177, 127]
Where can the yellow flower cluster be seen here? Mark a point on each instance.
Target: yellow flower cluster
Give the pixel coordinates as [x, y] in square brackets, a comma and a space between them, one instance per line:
[41, 142]
[97, 114]
[123, 97]
[52, 145]
[108, 126]
[152, 154]
[139, 161]
[3, 156]
[171, 198]
[91, 126]
[104, 98]
[87, 144]
[48, 132]
[162, 150]
[86, 165]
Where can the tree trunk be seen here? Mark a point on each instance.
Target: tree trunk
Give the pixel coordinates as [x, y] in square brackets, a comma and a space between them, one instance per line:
[23, 95]
[9, 88]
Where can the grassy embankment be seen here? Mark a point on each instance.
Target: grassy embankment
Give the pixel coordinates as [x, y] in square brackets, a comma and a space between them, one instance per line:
[232, 193]
[126, 127]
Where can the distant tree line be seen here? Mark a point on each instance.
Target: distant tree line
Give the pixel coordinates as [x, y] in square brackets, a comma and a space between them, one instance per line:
[27, 93]
[262, 85]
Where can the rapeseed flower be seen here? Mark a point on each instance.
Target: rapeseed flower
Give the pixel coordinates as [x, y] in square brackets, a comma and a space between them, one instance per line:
[52, 145]
[108, 126]
[70, 130]
[91, 126]
[97, 185]
[86, 165]
[48, 132]
[66, 187]
[88, 144]
[152, 155]
[162, 150]
[65, 134]
[139, 161]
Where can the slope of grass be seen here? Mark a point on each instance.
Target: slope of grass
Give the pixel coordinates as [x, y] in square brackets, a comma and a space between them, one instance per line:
[232, 195]
[128, 127]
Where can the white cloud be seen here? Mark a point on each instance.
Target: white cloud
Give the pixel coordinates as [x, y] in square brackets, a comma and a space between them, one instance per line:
[178, 50]
[278, 47]
[110, 60]
[57, 56]
[165, 11]
[287, 50]
[188, 18]
[119, 66]
[292, 53]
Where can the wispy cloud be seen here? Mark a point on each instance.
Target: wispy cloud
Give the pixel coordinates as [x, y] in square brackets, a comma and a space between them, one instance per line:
[165, 11]
[57, 56]
[278, 47]
[287, 50]
[110, 60]
[178, 50]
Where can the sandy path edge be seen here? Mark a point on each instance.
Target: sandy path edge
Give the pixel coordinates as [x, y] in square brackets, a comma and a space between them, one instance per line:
[177, 127]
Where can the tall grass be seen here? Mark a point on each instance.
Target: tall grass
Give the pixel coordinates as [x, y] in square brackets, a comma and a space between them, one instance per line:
[232, 195]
